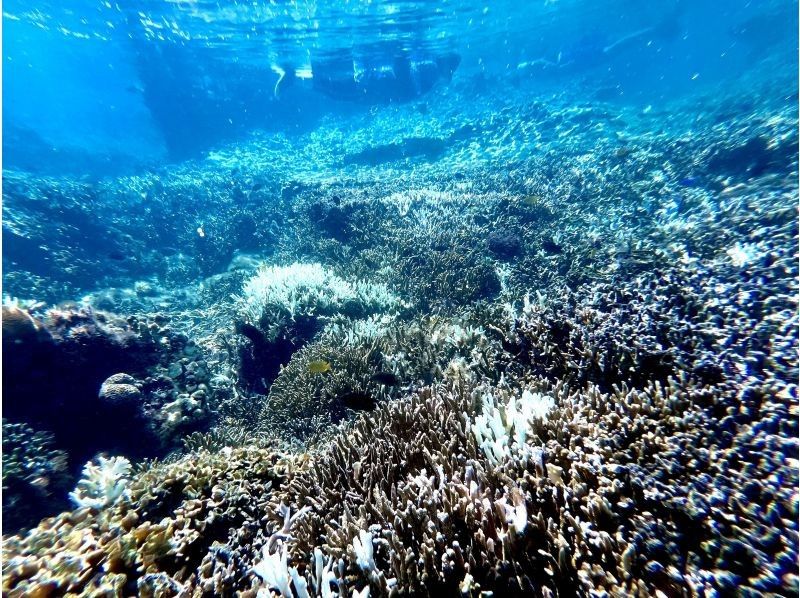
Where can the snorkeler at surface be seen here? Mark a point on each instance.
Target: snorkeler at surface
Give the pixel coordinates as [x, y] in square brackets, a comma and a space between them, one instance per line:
[197, 101]
[398, 78]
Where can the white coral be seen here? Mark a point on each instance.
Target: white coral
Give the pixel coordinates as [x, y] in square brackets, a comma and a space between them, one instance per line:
[273, 571]
[501, 430]
[103, 483]
[743, 255]
[362, 546]
[352, 332]
[305, 289]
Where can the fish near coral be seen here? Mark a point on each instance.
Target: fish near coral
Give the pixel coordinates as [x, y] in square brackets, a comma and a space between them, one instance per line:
[385, 378]
[319, 366]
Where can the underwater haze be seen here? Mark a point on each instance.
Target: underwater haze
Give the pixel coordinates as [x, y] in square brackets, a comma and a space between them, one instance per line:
[411, 298]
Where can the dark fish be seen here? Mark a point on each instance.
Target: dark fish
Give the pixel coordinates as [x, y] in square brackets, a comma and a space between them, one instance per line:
[385, 378]
[532, 200]
[550, 246]
[358, 401]
[674, 207]
[117, 255]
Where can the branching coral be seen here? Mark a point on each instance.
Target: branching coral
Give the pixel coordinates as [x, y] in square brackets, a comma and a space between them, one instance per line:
[306, 290]
[561, 449]
[304, 403]
[103, 483]
[498, 431]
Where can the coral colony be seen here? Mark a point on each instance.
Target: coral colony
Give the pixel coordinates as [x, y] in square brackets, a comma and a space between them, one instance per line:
[536, 348]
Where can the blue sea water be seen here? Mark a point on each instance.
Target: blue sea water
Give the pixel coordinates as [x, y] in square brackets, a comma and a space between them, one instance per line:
[106, 87]
[556, 237]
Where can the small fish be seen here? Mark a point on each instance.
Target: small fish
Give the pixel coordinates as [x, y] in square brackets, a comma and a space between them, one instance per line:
[532, 200]
[623, 152]
[358, 401]
[117, 255]
[385, 378]
[319, 366]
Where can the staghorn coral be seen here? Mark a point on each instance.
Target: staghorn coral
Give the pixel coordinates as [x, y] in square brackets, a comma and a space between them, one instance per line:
[585, 507]
[647, 437]
[364, 362]
[666, 464]
[304, 403]
[302, 290]
[284, 307]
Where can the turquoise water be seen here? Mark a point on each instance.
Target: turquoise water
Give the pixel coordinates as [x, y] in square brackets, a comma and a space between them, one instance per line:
[400, 298]
[121, 88]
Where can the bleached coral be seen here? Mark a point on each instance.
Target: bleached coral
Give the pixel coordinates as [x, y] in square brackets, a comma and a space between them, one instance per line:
[743, 255]
[502, 430]
[276, 574]
[308, 289]
[362, 546]
[103, 483]
[273, 570]
[323, 575]
[354, 332]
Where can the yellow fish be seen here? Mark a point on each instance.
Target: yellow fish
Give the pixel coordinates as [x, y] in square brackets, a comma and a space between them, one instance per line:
[532, 200]
[319, 366]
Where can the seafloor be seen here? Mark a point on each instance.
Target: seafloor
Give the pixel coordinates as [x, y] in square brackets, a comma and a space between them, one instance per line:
[506, 347]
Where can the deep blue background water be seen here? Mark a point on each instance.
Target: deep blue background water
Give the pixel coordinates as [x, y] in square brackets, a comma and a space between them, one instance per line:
[95, 87]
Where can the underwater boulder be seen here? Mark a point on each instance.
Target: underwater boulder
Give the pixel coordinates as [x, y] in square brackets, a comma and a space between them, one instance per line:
[69, 383]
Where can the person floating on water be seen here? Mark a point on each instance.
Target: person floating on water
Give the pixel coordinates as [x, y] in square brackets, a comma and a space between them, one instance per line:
[401, 77]
[197, 101]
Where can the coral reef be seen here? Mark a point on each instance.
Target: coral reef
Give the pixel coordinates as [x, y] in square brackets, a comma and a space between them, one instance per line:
[174, 515]
[99, 382]
[35, 477]
[573, 370]
[103, 483]
[283, 307]
[579, 487]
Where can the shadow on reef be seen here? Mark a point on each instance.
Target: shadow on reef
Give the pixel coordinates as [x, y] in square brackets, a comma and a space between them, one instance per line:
[95, 383]
[428, 148]
[262, 357]
[55, 368]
